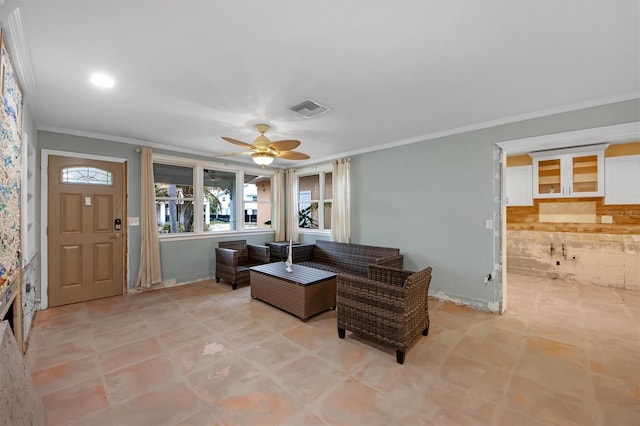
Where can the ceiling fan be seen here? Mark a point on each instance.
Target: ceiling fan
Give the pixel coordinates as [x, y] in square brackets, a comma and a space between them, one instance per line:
[263, 151]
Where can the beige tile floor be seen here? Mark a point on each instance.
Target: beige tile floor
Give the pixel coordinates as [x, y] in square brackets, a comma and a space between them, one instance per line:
[202, 354]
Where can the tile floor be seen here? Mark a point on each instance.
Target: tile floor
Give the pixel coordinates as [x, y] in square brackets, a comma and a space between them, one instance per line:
[201, 354]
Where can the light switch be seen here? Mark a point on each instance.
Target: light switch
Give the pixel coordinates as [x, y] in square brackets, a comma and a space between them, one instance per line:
[488, 224]
[133, 221]
[607, 219]
[87, 201]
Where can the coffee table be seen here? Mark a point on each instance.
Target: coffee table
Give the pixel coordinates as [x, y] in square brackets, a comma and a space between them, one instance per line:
[305, 292]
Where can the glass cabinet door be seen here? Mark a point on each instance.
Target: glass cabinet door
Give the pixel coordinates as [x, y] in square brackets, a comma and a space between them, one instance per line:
[585, 174]
[549, 176]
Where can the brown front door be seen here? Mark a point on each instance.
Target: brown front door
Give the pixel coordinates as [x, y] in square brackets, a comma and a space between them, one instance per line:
[85, 230]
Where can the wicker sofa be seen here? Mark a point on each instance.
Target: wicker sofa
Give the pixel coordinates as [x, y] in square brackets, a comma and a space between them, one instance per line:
[234, 258]
[389, 306]
[345, 258]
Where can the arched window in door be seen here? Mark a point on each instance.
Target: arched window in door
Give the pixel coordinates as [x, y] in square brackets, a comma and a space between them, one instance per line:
[86, 175]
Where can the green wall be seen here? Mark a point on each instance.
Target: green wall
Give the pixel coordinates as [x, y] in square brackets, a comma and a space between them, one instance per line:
[431, 200]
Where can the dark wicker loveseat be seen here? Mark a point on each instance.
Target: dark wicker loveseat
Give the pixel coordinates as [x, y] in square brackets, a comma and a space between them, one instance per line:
[234, 258]
[389, 306]
[345, 258]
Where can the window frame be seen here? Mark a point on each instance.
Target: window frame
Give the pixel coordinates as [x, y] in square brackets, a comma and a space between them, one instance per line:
[191, 199]
[198, 202]
[321, 171]
[257, 201]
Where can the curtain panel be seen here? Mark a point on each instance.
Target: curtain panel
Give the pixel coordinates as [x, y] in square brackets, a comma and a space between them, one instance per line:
[340, 209]
[279, 206]
[292, 205]
[150, 270]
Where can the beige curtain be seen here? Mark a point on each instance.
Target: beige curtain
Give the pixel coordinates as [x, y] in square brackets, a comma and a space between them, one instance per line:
[279, 211]
[340, 209]
[150, 271]
[292, 205]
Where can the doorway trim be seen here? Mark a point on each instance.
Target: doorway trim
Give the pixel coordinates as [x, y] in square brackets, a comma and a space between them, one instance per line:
[619, 133]
[44, 219]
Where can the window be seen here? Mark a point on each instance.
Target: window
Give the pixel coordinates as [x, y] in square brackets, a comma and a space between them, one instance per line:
[174, 198]
[86, 175]
[219, 193]
[230, 200]
[257, 201]
[315, 190]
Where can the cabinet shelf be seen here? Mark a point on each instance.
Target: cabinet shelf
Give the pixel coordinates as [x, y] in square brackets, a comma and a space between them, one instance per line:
[591, 177]
[555, 168]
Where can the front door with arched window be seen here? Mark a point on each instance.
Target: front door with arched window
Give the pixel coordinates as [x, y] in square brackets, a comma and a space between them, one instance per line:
[86, 229]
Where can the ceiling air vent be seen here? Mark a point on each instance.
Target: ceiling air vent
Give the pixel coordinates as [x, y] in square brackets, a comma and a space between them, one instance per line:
[309, 108]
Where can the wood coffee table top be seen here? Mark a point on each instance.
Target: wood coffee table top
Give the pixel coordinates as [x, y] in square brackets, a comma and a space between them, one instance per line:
[302, 275]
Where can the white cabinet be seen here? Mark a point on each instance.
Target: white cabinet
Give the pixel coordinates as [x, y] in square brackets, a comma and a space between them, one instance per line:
[519, 186]
[622, 180]
[570, 172]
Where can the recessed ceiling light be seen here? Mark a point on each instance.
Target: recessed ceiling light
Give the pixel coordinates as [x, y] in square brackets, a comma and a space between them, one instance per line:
[102, 80]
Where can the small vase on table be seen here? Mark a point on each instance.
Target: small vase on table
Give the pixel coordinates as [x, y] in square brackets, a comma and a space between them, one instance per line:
[289, 261]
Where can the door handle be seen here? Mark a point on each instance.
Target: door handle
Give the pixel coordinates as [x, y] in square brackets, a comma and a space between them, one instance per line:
[115, 236]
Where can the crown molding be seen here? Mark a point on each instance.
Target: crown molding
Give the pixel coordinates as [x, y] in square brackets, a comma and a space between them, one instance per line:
[620, 133]
[141, 143]
[486, 124]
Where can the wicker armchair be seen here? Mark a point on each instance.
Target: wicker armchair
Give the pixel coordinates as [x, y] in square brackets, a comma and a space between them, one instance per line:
[389, 306]
[233, 259]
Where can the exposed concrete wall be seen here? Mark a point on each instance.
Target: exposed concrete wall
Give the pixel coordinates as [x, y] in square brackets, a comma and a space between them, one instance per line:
[20, 404]
[601, 259]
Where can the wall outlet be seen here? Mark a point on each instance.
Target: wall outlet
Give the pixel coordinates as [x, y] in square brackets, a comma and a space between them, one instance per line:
[606, 219]
[169, 282]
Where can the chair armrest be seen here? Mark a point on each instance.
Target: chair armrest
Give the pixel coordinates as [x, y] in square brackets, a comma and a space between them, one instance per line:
[259, 253]
[419, 282]
[396, 262]
[368, 291]
[388, 275]
[301, 253]
[227, 257]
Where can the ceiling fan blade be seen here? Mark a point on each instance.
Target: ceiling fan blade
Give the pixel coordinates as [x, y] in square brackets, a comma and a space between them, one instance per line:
[285, 145]
[293, 155]
[237, 142]
[233, 154]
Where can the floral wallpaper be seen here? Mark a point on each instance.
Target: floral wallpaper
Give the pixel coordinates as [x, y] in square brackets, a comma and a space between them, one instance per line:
[10, 163]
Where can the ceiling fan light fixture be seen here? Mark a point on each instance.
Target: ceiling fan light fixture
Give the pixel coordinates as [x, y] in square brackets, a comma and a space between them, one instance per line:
[263, 151]
[263, 158]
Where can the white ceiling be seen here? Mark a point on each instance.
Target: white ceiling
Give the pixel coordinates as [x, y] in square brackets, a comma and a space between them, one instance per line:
[190, 71]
